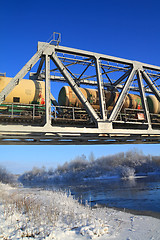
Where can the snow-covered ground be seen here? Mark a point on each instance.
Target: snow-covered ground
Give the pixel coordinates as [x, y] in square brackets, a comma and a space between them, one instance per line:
[37, 214]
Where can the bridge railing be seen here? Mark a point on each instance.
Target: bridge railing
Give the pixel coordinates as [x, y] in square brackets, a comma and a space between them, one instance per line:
[65, 113]
[21, 112]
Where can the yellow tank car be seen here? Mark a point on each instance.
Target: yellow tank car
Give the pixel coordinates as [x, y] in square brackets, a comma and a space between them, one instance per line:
[26, 92]
[68, 98]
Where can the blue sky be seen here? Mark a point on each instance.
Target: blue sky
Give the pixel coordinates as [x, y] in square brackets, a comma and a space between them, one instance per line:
[18, 159]
[127, 29]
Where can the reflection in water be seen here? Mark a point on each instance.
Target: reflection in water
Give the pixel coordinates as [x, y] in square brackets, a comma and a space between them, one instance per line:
[138, 194]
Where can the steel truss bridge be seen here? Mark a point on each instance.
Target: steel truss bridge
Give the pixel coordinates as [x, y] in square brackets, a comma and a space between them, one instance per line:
[77, 68]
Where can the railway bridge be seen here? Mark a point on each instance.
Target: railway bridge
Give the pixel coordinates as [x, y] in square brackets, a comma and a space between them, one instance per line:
[102, 100]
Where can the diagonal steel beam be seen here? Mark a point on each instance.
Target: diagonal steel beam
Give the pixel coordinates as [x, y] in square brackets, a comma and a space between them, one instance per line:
[151, 85]
[15, 81]
[143, 98]
[67, 65]
[122, 78]
[84, 70]
[70, 72]
[121, 97]
[106, 75]
[74, 87]
[100, 89]
[40, 65]
[154, 81]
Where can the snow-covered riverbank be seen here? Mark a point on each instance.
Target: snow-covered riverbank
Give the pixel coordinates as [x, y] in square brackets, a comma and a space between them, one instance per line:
[38, 214]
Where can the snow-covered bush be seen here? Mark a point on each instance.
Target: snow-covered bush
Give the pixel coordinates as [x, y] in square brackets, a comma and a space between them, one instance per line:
[5, 176]
[126, 172]
[156, 160]
[77, 164]
[123, 164]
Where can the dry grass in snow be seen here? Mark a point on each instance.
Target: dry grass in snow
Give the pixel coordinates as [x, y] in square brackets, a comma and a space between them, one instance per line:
[38, 214]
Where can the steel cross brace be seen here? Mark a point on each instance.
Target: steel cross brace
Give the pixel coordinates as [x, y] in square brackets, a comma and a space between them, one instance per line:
[75, 87]
[40, 66]
[143, 97]
[151, 85]
[28, 66]
[122, 78]
[122, 96]
[100, 88]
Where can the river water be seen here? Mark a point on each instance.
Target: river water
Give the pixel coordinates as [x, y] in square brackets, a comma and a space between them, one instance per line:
[141, 193]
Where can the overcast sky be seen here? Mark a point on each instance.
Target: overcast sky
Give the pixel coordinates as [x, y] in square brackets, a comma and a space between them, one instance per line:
[127, 29]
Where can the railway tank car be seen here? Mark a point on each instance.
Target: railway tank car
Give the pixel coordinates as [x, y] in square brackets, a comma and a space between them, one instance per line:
[26, 92]
[153, 104]
[68, 98]
[25, 103]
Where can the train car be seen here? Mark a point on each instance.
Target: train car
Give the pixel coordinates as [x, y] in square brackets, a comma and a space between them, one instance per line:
[27, 101]
[153, 104]
[24, 103]
[26, 92]
[68, 98]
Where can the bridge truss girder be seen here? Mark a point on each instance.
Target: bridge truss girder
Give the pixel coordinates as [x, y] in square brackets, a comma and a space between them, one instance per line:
[103, 131]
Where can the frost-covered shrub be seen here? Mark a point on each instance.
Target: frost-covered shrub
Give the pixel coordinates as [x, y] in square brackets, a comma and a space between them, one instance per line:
[5, 176]
[126, 172]
[38, 174]
[156, 160]
[77, 164]
[123, 164]
[111, 161]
